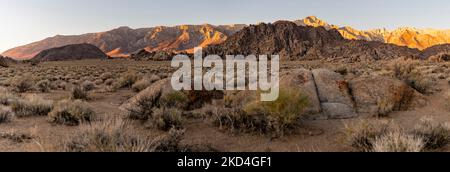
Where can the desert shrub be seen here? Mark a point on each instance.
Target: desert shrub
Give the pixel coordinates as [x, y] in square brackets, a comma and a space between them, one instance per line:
[284, 113]
[106, 76]
[405, 70]
[143, 108]
[3, 62]
[71, 113]
[31, 106]
[87, 85]
[435, 135]
[43, 85]
[98, 82]
[447, 100]
[22, 84]
[174, 99]
[398, 141]
[6, 115]
[166, 118]
[7, 98]
[109, 82]
[113, 135]
[78, 93]
[171, 142]
[279, 117]
[361, 135]
[141, 85]
[127, 79]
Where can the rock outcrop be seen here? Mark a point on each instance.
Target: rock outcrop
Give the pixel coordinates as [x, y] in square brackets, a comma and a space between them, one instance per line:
[332, 97]
[437, 53]
[294, 42]
[71, 52]
[380, 95]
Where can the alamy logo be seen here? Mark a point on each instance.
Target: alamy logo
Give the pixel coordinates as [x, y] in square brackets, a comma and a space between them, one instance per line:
[235, 72]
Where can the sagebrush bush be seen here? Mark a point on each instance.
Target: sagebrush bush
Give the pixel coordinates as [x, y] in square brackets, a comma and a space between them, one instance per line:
[87, 86]
[174, 99]
[78, 93]
[114, 135]
[398, 141]
[72, 113]
[43, 86]
[166, 118]
[22, 84]
[361, 135]
[284, 113]
[141, 84]
[6, 115]
[7, 98]
[435, 135]
[128, 78]
[279, 117]
[31, 106]
[143, 108]
[405, 70]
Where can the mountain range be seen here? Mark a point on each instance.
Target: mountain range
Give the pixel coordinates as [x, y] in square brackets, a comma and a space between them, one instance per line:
[124, 40]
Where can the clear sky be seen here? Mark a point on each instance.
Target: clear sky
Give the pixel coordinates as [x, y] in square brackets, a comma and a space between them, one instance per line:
[26, 21]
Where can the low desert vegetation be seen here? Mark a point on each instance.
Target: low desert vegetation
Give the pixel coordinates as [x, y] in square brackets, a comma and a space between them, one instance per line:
[279, 117]
[166, 119]
[383, 136]
[398, 141]
[117, 135]
[406, 70]
[22, 84]
[6, 115]
[78, 93]
[128, 78]
[31, 106]
[43, 86]
[72, 113]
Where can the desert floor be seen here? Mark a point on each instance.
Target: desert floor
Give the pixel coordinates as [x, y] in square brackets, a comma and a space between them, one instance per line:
[315, 136]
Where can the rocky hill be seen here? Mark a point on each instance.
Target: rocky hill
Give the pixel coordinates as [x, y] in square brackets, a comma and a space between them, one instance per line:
[125, 40]
[71, 52]
[294, 42]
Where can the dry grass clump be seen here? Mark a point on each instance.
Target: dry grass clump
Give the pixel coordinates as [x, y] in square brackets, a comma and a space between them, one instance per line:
[361, 136]
[71, 113]
[435, 135]
[43, 86]
[7, 98]
[15, 137]
[278, 117]
[116, 135]
[174, 99]
[127, 79]
[380, 136]
[398, 141]
[22, 84]
[145, 82]
[406, 70]
[78, 93]
[6, 115]
[166, 118]
[31, 106]
[87, 86]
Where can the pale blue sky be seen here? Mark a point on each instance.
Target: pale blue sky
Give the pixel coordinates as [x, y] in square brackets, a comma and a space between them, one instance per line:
[25, 21]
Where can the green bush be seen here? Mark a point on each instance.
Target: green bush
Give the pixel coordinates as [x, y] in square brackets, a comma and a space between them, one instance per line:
[166, 118]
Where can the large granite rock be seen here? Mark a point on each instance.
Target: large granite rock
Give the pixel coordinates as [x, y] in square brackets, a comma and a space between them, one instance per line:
[376, 95]
[334, 95]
